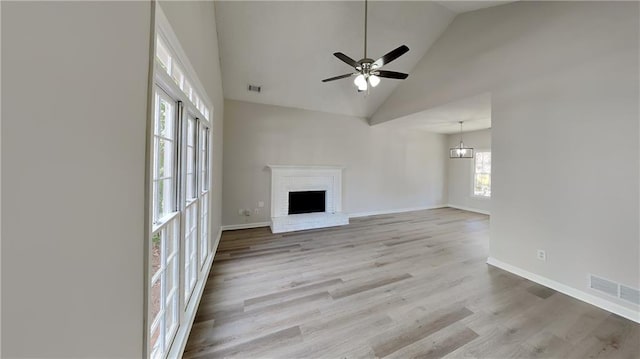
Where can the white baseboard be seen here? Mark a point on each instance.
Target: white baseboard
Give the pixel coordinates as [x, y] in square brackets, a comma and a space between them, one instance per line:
[180, 342]
[217, 242]
[481, 211]
[391, 211]
[570, 291]
[231, 227]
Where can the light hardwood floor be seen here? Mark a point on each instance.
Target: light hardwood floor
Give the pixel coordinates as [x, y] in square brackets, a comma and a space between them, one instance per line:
[411, 285]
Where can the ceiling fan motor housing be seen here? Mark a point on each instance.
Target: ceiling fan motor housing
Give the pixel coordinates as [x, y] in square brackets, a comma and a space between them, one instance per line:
[366, 67]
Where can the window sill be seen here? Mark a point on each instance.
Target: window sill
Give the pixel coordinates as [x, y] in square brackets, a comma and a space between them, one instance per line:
[480, 197]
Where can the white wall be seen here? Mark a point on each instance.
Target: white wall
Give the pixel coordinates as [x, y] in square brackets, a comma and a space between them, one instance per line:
[195, 26]
[460, 172]
[73, 155]
[0, 185]
[566, 164]
[385, 169]
[564, 83]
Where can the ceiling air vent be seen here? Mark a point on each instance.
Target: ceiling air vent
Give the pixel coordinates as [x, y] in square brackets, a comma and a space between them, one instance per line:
[630, 294]
[254, 88]
[603, 285]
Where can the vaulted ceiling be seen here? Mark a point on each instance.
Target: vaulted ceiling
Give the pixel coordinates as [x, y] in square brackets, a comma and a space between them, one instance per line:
[474, 111]
[286, 47]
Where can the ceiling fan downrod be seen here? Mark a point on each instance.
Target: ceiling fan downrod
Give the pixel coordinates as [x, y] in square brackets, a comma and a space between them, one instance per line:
[366, 10]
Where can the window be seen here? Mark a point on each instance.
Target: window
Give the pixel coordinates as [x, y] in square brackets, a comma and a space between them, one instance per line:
[178, 76]
[169, 175]
[166, 224]
[179, 243]
[205, 249]
[191, 162]
[191, 212]
[191, 250]
[166, 61]
[188, 90]
[162, 54]
[164, 287]
[482, 174]
[164, 161]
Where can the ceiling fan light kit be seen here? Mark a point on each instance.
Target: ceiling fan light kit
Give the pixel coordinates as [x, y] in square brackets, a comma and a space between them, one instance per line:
[461, 151]
[368, 71]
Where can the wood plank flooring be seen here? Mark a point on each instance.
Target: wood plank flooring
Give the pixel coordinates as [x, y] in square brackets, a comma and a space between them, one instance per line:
[411, 285]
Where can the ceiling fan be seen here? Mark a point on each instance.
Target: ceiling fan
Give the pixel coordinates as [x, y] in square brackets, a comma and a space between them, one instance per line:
[368, 71]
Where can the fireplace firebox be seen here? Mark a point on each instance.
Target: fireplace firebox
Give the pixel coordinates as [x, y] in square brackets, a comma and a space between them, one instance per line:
[306, 202]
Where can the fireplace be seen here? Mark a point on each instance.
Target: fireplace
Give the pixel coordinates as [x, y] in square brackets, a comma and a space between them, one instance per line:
[306, 197]
[306, 202]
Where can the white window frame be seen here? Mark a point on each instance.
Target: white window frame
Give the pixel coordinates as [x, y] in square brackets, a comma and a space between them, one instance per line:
[473, 175]
[159, 94]
[190, 101]
[167, 227]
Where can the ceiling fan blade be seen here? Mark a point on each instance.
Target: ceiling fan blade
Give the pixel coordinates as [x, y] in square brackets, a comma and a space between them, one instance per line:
[337, 77]
[347, 59]
[390, 56]
[392, 74]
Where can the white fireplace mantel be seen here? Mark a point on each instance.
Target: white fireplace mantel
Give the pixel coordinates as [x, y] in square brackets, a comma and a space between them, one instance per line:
[287, 178]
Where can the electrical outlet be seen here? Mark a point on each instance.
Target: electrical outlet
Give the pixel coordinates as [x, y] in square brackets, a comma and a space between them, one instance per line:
[256, 211]
[241, 212]
[542, 255]
[247, 212]
[260, 204]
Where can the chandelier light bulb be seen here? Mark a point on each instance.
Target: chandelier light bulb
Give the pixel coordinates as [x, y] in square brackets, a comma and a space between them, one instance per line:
[361, 82]
[374, 80]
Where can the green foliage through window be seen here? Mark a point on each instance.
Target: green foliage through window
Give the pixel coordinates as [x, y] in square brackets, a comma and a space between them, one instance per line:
[482, 174]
